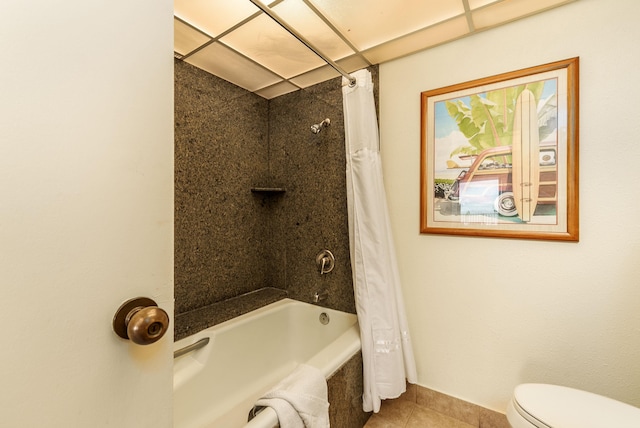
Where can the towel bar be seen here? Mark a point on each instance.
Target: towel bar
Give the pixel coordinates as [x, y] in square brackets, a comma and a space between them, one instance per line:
[194, 346]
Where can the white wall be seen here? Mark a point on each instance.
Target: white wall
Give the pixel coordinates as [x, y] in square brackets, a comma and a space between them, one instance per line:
[487, 314]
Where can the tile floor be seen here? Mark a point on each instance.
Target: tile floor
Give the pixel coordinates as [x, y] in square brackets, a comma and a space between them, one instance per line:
[401, 413]
[424, 408]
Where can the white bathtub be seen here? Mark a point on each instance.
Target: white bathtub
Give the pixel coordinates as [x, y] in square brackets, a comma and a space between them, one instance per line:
[217, 385]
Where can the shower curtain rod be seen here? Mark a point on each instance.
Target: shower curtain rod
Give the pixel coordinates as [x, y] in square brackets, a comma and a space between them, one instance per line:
[304, 41]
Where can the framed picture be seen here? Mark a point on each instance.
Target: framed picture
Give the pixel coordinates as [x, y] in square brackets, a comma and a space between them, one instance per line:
[499, 155]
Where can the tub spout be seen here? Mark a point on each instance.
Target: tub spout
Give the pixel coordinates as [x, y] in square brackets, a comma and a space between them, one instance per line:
[320, 296]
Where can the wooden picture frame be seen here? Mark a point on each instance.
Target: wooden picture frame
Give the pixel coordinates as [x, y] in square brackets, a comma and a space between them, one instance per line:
[499, 155]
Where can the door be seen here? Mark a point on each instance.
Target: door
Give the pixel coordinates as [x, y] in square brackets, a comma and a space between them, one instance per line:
[86, 210]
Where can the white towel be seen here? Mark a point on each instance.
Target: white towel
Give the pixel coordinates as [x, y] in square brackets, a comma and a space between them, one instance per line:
[300, 400]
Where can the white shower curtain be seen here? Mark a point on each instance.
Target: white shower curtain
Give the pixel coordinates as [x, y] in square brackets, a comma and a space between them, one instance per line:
[386, 345]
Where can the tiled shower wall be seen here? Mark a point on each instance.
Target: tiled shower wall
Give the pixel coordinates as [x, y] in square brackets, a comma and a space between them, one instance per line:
[230, 241]
[221, 150]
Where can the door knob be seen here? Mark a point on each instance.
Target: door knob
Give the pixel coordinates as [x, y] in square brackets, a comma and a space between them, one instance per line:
[141, 321]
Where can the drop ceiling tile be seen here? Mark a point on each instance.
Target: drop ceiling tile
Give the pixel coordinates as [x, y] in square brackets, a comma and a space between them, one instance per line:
[326, 72]
[318, 75]
[353, 63]
[277, 90]
[185, 38]
[383, 29]
[475, 4]
[432, 36]
[223, 62]
[263, 40]
[507, 11]
[304, 20]
[367, 23]
[213, 16]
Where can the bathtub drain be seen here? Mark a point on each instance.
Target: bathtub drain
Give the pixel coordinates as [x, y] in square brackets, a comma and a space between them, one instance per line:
[324, 318]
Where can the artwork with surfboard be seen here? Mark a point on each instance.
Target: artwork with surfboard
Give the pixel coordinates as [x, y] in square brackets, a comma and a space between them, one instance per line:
[499, 155]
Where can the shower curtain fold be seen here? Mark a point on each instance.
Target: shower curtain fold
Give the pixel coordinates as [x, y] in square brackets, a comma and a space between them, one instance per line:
[387, 352]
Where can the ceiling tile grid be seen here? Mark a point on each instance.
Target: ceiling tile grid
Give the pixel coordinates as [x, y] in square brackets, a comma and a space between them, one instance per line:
[238, 42]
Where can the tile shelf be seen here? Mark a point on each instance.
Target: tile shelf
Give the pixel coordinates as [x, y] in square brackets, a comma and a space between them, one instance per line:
[268, 190]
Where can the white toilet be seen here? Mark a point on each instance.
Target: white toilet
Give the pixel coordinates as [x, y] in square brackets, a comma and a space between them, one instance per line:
[535, 405]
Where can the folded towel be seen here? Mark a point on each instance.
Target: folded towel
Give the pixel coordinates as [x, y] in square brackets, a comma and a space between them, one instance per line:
[300, 400]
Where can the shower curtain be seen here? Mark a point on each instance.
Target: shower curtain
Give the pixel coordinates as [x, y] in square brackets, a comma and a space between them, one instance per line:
[386, 345]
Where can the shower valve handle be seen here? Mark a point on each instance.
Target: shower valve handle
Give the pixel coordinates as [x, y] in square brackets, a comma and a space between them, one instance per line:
[325, 261]
[141, 321]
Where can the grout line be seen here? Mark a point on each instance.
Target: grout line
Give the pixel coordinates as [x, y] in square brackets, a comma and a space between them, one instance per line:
[413, 409]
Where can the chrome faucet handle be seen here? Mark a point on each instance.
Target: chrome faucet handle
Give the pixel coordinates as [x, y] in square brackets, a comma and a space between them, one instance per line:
[325, 261]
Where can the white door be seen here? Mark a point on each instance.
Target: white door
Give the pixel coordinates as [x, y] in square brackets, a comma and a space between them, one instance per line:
[86, 210]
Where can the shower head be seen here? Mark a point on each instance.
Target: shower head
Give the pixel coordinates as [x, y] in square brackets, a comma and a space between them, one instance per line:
[318, 126]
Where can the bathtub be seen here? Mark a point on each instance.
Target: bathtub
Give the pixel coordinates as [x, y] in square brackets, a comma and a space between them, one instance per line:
[218, 384]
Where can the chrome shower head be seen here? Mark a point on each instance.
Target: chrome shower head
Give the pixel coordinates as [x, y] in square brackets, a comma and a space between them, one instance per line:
[318, 126]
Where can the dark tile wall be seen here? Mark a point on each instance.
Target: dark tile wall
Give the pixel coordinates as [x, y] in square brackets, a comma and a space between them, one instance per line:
[314, 213]
[221, 150]
[345, 395]
[230, 241]
[314, 210]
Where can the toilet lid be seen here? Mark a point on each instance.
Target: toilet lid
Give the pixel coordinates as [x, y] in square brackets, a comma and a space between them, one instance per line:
[562, 407]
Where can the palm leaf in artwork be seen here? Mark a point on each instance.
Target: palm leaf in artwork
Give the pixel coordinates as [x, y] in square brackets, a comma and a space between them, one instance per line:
[488, 120]
[548, 116]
